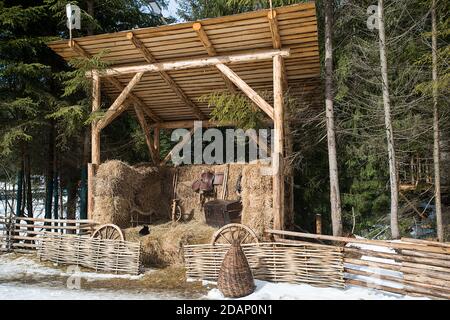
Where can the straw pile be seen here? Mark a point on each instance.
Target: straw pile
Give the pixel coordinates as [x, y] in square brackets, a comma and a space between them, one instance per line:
[257, 212]
[121, 190]
[164, 245]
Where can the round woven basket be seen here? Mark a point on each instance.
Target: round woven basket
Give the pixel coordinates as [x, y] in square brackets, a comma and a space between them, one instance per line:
[235, 276]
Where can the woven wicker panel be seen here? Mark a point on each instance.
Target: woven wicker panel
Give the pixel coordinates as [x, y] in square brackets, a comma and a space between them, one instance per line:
[313, 264]
[94, 253]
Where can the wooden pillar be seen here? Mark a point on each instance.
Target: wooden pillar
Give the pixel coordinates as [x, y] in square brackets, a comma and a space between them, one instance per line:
[95, 143]
[278, 150]
[318, 223]
[156, 142]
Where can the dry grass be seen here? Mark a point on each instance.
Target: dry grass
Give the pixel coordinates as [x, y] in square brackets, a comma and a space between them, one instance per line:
[257, 205]
[172, 278]
[164, 245]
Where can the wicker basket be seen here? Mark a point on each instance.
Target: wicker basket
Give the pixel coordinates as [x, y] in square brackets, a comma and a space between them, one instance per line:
[235, 276]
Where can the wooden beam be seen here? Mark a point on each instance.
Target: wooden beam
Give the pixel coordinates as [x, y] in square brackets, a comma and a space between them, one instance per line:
[92, 171]
[157, 144]
[148, 138]
[187, 124]
[138, 44]
[196, 63]
[183, 97]
[115, 82]
[78, 49]
[209, 47]
[96, 103]
[95, 143]
[165, 76]
[198, 28]
[252, 94]
[118, 106]
[278, 149]
[272, 16]
[289, 183]
[186, 138]
[135, 99]
[274, 30]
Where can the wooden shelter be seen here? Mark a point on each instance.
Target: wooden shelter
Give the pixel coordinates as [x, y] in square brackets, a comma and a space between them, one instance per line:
[159, 74]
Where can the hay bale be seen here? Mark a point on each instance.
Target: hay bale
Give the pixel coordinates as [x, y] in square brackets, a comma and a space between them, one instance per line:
[164, 245]
[257, 203]
[115, 210]
[122, 190]
[116, 178]
[154, 194]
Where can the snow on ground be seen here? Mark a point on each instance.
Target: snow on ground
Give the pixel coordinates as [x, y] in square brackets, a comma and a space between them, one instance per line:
[14, 291]
[13, 267]
[24, 277]
[283, 291]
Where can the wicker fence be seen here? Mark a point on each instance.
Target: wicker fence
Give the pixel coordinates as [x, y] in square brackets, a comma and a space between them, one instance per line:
[278, 262]
[21, 234]
[98, 254]
[410, 266]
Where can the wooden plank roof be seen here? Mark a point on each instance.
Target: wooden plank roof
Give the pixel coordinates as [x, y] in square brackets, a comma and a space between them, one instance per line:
[297, 29]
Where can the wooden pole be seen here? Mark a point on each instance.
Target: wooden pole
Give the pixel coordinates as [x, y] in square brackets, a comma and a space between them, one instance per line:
[95, 144]
[95, 130]
[119, 105]
[195, 63]
[278, 150]
[318, 223]
[157, 145]
[148, 138]
[251, 94]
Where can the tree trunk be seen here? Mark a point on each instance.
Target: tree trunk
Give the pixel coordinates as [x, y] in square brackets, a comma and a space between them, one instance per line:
[86, 138]
[50, 173]
[436, 148]
[19, 211]
[55, 187]
[388, 122]
[335, 197]
[71, 202]
[90, 11]
[29, 190]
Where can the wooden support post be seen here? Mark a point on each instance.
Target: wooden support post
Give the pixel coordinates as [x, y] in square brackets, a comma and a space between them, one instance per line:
[252, 94]
[156, 141]
[318, 223]
[96, 95]
[276, 39]
[148, 138]
[165, 76]
[113, 81]
[209, 47]
[134, 99]
[95, 142]
[118, 106]
[92, 171]
[278, 150]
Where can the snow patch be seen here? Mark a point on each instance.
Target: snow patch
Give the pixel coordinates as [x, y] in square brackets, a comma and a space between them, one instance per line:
[283, 291]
